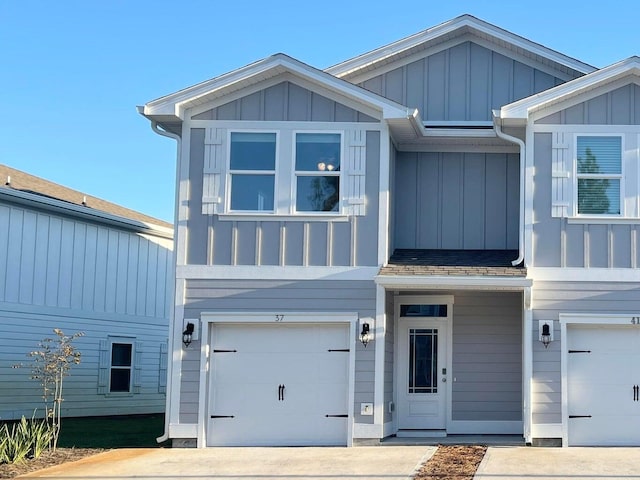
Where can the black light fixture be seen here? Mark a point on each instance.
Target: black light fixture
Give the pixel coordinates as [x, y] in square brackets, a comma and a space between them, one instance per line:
[545, 336]
[187, 335]
[365, 336]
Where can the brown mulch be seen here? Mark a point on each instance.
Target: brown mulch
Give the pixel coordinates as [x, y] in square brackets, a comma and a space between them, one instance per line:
[452, 462]
[46, 460]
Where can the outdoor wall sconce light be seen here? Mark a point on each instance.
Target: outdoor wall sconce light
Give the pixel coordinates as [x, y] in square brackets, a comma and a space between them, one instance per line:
[546, 332]
[365, 333]
[187, 335]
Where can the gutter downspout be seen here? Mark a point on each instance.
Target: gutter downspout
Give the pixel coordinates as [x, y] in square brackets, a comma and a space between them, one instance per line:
[521, 144]
[172, 310]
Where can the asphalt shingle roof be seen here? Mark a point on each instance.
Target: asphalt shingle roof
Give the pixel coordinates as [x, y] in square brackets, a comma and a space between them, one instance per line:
[454, 262]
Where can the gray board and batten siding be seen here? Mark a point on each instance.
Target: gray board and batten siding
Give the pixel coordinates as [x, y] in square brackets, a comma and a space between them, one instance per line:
[216, 241]
[462, 83]
[456, 201]
[281, 296]
[550, 299]
[558, 242]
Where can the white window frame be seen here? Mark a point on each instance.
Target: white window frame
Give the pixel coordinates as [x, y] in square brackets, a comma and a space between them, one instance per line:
[618, 176]
[125, 341]
[231, 172]
[295, 173]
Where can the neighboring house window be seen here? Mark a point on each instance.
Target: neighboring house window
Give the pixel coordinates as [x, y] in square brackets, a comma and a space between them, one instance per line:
[252, 168]
[121, 367]
[599, 175]
[317, 172]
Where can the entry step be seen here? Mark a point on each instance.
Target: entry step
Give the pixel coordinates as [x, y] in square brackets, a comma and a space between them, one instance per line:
[421, 433]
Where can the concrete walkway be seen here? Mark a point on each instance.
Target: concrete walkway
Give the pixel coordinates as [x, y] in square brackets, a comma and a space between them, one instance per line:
[325, 463]
[507, 463]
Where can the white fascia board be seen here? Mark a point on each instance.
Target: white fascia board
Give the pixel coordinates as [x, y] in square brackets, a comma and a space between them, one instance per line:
[175, 104]
[564, 274]
[523, 108]
[407, 282]
[274, 272]
[82, 212]
[386, 52]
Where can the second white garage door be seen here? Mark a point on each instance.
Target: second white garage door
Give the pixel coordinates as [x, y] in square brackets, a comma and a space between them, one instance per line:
[282, 384]
[603, 380]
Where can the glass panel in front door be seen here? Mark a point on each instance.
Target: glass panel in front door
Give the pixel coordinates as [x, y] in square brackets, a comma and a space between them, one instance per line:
[423, 360]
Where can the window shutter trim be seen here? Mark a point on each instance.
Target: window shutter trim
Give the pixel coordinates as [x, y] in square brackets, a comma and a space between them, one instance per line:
[103, 367]
[356, 163]
[137, 368]
[213, 172]
[560, 175]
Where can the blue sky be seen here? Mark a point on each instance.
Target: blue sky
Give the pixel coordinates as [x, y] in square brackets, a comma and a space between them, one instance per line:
[72, 72]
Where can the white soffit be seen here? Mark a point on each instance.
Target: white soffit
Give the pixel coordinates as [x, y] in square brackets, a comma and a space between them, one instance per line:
[459, 26]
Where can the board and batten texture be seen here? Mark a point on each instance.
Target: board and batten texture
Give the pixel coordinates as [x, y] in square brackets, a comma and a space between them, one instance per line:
[456, 201]
[461, 83]
[558, 242]
[279, 296]
[78, 276]
[550, 299]
[213, 240]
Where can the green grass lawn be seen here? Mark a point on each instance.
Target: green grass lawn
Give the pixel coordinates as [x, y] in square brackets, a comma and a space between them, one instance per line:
[112, 432]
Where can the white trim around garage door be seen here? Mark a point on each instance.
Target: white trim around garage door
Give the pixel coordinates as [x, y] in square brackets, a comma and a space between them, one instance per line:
[209, 318]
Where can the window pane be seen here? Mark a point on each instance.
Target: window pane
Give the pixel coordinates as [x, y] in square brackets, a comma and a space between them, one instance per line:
[252, 192]
[599, 155]
[423, 360]
[120, 380]
[121, 354]
[318, 194]
[253, 151]
[318, 152]
[599, 196]
[423, 310]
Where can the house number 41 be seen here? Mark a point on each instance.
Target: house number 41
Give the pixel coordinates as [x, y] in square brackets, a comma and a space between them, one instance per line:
[635, 320]
[279, 318]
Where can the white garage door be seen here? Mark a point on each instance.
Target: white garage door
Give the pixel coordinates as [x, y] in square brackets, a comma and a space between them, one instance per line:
[278, 384]
[603, 378]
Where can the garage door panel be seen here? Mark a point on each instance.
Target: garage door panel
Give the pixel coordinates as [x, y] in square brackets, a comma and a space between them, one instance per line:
[246, 383]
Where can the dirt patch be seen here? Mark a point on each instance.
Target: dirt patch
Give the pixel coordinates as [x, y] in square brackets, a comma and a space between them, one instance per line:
[46, 460]
[452, 462]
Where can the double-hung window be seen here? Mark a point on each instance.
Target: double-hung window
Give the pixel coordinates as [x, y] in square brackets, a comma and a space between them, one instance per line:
[599, 175]
[252, 169]
[121, 363]
[317, 172]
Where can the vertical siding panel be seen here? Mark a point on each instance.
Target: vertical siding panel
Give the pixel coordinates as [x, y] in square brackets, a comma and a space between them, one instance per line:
[165, 270]
[374, 85]
[66, 264]
[542, 81]
[294, 242]
[451, 206]
[197, 223]
[341, 236]
[228, 111]
[150, 298]
[132, 274]
[100, 286]
[575, 114]
[274, 102]
[415, 85]
[522, 80]
[144, 264]
[598, 246]
[298, 103]
[457, 83]
[27, 257]
[40, 261]
[405, 201]
[501, 80]
[270, 248]
[5, 213]
[621, 246]
[479, 83]
[14, 251]
[77, 271]
[246, 243]
[344, 114]
[322, 109]
[121, 275]
[250, 107]
[621, 105]
[394, 85]
[596, 110]
[513, 200]
[635, 112]
[317, 246]
[436, 87]
[546, 237]
[425, 215]
[474, 197]
[90, 263]
[496, 213]
[222, 242]
[53, 262]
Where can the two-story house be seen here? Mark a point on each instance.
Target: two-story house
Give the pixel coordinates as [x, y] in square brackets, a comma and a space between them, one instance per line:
[437, 237]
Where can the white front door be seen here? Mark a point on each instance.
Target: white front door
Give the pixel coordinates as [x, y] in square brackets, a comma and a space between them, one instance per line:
[422, 373]
[603, 385]
[278, 384]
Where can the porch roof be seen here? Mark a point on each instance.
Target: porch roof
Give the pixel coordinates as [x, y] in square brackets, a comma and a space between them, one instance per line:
[467, 263]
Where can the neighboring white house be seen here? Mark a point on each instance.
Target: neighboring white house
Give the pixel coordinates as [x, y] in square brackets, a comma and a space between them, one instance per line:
[75, 262]
[468, 195]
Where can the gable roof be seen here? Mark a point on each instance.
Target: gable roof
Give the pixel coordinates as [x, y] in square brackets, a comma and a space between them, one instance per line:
[458, 27]
[171, 108]
[518, 112]
[25, 188]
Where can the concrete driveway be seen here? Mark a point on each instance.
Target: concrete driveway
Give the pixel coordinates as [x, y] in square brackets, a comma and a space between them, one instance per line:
[507, 463]
[326, 463]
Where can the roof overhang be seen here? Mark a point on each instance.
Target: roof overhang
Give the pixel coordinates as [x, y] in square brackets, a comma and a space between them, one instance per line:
[458, 27]
[172, 107]
[447, 282]
[517, 113]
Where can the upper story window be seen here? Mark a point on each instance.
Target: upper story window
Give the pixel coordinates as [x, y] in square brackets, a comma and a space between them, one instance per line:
[252, 171]
[317, 172]
[599, 175]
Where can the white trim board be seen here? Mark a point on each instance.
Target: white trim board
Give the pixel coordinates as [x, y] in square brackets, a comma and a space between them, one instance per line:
[250, 272]
[436, 282]
[566, 274]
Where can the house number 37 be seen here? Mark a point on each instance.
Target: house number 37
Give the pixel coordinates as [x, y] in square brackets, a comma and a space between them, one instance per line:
[279, 318]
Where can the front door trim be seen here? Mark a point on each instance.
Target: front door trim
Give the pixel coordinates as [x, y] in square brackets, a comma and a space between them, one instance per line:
[400, 300]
